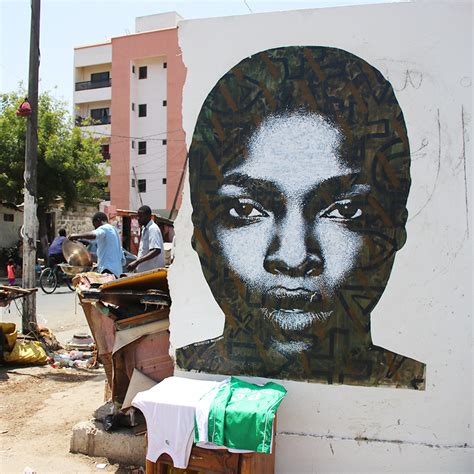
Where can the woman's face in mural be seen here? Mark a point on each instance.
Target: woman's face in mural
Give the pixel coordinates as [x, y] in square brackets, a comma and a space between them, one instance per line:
[299, 175]
[290, 211]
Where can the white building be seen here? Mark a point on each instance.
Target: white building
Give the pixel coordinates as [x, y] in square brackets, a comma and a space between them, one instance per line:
[128, 94]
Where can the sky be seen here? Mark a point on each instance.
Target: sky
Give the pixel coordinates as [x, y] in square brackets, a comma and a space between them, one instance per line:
[66, 24]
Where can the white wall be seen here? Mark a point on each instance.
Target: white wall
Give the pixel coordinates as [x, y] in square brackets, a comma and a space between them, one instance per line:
[152, 128]
[94, 54]
[157, 22]
[425, 50]
[10, 231]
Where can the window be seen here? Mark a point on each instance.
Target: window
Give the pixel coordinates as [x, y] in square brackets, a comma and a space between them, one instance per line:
[164, 142]
[133, 106]
[165, 65]
[100, 76]
[164, 180]
[164, 103]
[105, 151]
[142, 110]
[142, 148]
[8, 217]
[101, 115]
[133, 143]
[142, 72]
[105, 191]
[133, 68]
[142, 185]
[133, 183]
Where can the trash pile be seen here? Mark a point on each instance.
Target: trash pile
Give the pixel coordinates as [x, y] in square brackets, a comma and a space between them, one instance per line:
[74, 359]
[129, 320]
[43, 348]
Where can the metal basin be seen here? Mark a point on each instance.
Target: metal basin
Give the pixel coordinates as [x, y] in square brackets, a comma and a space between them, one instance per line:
[76, 254]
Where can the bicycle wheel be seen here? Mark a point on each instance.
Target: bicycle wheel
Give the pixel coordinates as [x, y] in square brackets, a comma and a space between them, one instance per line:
[48, 280]
[68, 281]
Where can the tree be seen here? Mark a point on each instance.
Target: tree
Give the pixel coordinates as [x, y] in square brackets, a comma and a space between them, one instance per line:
[68, 158]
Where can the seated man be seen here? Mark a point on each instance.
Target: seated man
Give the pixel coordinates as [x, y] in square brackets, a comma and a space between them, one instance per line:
[55, 252]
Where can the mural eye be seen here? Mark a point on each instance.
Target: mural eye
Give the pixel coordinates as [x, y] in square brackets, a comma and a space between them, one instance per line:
[246, 210]
[344, 210]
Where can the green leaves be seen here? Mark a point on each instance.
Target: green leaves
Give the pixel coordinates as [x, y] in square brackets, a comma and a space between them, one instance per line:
[68, 159]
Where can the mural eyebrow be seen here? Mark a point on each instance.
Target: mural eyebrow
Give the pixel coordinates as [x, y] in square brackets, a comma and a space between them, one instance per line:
[337, 187]
[245, 181]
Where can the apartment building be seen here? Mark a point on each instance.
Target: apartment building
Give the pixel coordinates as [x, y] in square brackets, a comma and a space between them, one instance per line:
[128, 94]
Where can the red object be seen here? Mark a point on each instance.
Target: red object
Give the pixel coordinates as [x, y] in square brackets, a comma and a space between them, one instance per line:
[24, 109]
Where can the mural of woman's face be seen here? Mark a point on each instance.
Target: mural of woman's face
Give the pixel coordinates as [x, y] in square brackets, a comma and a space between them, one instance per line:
[299, 173]
[288, 221]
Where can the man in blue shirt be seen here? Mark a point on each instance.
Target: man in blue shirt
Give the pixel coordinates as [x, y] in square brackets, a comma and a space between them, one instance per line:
[55, 252]
[109, 249]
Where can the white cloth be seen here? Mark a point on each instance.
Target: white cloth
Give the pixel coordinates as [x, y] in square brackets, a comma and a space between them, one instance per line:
[169, 409]
[151, 239]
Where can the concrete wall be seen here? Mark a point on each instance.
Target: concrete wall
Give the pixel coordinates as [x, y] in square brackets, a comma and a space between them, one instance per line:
[425, 50]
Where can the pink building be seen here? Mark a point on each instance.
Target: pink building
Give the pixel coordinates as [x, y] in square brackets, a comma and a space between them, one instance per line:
[129, 90]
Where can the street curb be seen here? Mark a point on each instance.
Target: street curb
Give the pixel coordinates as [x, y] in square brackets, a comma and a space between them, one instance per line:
[121, 446]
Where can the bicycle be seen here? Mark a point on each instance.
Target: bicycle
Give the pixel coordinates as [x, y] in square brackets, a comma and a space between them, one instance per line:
[52, 277]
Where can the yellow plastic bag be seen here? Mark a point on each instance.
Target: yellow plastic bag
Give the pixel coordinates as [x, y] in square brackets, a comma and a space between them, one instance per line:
[26, 352]
[9, 332]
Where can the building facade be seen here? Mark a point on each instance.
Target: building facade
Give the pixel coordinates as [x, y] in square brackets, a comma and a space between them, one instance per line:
[128, 93]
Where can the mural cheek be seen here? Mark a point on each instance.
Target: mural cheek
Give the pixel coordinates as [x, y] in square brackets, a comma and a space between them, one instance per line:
[243, 249]
[341, 249]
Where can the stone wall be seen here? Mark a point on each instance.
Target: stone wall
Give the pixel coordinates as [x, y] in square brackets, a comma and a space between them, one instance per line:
[74, 220]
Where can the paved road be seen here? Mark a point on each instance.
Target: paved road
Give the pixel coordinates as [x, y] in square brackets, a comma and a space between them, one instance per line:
[59, 312]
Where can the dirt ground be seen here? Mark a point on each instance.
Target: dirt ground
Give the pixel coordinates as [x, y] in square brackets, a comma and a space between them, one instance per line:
[38, 408]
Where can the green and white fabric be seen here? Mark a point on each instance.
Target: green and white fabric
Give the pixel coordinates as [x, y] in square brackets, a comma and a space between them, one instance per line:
[239, 415]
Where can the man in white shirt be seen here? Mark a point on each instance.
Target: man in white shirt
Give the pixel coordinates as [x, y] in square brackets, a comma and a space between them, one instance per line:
[151, 253]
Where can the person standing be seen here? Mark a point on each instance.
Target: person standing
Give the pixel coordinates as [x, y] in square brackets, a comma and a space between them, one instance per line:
[55, 252]
[151, 249]
[11, 271]
[110, 256]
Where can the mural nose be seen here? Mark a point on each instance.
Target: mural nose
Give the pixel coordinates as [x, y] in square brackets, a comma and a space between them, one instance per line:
[312, 265]
[293, 251]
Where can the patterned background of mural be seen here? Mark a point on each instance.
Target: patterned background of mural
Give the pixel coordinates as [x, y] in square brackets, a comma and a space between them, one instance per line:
[299, 176]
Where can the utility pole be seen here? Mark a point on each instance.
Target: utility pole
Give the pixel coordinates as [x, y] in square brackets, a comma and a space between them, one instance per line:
[30, 177]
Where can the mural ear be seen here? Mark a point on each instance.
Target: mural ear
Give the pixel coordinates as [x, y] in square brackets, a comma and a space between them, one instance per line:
[400, 237]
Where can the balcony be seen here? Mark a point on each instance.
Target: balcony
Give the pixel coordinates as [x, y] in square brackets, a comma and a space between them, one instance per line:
[90, 122]
[86, 85]
[93, 91]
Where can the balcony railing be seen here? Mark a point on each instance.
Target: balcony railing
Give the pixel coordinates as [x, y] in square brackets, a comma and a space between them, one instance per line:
[87, 122]
[82, 86]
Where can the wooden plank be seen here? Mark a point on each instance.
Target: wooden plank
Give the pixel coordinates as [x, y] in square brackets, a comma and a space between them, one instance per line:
[152, 279]
[141, 319]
